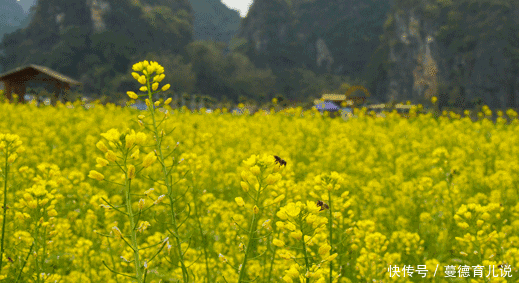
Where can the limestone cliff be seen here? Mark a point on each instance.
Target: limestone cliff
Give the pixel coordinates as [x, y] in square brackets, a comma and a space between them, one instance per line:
[466, 51]
[326, 36]
[214, 21]
[97, 41]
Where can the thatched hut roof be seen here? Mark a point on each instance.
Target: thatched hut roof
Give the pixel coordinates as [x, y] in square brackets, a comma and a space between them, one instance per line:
[32, 70]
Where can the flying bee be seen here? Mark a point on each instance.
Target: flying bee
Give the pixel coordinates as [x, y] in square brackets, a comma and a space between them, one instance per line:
[10, 259]
[280, 161]
[503, 265]
[322, 205]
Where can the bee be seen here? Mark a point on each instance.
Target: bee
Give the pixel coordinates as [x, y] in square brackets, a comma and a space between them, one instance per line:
[10, 259]
[322, 205]
[280, 161]
[503, 265]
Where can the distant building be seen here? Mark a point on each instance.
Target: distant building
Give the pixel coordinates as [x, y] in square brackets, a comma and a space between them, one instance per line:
[16, 80]
[355, 95]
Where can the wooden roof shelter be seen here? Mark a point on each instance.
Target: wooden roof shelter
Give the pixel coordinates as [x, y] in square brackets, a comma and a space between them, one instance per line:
[16, 80]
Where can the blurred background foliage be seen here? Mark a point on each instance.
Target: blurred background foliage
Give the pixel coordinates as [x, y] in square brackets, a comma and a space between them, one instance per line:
[208, 50]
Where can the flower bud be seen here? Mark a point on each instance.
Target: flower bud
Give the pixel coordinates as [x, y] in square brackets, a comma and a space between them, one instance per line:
[131, 172]
[244, 186]
[96, 175]
[101, 146]
[110, 156]
[166, 87]
[149, 159]
[239, 201]
[132, 95]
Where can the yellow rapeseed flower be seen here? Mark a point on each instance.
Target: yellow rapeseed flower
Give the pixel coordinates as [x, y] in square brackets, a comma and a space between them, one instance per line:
[112, 135]
[255, 170]
[131, 172]
[142, 203]
[101, 162]
[12, 158]
[166, 87]
[117, 232]
[244, 186]
[273, 178]
[324, 249]
[96, 175]
[292, 209]
[130, 140]
[297, 235]
[137, 67]
[331, 257]
[132, 95]
[143, 226]
[135, 154]
[278, 243]
[110, 156]
[149, 159]
[101, 146]
[142, 80]
[239, 201]
[140, 138]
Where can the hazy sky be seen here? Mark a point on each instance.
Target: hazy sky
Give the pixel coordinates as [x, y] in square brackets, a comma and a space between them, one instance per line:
[241, 5]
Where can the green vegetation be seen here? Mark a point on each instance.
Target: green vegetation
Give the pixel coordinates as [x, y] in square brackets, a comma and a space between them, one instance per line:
[274, 54]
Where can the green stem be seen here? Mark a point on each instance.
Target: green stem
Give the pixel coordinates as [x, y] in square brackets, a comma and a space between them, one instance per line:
[274, 219]
[4, 208]
[252, 231]
[24, 263]
[253, 226]
[305, 253]
[44, 244]
[204, 238]
[133, 232]
[37, 266]
[339, 249]
[185, 274]
[112, 257]
[274, 230]
[331, 231]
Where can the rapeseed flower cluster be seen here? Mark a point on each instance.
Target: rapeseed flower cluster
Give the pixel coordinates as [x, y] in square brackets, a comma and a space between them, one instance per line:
[169, 195]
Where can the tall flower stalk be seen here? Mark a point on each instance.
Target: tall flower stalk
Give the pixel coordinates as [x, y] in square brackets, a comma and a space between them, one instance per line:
[10, 145]
[261, 173]
[150, 84]
[302, 222]
[329, 183]
[123, 153]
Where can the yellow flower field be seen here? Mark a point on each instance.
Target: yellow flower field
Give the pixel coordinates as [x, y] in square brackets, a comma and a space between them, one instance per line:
[110, 194]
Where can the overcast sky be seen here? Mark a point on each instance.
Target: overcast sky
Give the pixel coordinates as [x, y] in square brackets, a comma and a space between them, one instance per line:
[241, 5]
